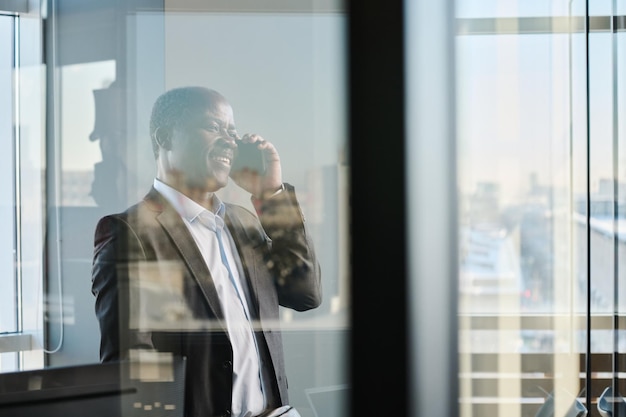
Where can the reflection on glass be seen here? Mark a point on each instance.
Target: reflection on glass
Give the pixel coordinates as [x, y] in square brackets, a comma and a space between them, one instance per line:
[283, 73]
[8, 316]
[80, 82]
[522, 157]
[21, 207]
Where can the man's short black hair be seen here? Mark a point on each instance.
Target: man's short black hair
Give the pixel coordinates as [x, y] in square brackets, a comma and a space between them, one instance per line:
[173, 108]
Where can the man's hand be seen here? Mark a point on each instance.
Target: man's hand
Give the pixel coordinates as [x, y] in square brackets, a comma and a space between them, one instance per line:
[260, 184]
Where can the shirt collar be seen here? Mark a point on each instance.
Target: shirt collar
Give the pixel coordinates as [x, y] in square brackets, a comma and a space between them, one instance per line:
[189, 209]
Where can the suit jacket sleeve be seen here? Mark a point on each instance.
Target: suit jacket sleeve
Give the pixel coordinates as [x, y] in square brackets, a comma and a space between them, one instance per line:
[291, 257]
[116, 251]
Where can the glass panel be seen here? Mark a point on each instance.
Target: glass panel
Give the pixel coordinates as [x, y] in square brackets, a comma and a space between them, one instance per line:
[281, 75]
[620, 119]
[31, 81]
[521, 102]
[21, 192]
[8, 289]
[606, 210]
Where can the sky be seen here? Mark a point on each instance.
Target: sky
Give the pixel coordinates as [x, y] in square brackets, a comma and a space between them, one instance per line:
[514, 117]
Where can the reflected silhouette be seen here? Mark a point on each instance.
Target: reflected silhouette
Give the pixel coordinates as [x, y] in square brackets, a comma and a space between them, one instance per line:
[115, 176]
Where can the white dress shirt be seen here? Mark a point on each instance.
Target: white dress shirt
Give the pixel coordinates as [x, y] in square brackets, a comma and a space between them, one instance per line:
[222, 259]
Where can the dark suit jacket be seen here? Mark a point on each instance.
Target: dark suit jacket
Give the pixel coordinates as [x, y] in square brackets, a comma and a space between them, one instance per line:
[280, 267]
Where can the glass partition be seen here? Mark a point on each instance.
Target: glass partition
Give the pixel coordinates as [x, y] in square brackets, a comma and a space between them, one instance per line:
[522, 148]
[540, 110]
[21, 188]
[8, 316]
[281, 69]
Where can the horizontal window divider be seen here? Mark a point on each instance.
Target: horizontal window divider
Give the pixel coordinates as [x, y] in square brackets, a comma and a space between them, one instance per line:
[538, 25]
[547, 321]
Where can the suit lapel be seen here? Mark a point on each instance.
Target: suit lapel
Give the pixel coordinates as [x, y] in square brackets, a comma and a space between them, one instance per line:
[186, 245]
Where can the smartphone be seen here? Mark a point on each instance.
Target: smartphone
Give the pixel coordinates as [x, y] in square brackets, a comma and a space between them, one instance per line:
[248, 156]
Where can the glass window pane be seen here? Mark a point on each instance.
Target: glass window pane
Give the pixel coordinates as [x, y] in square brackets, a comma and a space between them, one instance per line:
[21, 194]
[282, 74]
[521, 105]
[8, 289]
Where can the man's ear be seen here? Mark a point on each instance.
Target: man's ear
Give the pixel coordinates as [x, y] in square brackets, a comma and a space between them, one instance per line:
[163, 136]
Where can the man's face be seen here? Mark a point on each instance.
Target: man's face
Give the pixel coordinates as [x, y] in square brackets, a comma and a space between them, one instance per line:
[202, 149]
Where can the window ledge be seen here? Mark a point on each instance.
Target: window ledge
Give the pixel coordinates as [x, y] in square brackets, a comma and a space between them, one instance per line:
[15, 342]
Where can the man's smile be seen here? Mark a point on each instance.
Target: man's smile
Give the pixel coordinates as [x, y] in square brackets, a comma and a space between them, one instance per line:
[222, 156]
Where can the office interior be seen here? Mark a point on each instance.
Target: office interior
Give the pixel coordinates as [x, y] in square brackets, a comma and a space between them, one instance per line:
[460, 165]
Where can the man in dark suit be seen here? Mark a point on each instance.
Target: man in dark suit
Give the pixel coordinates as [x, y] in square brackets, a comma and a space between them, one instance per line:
[230, 269]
